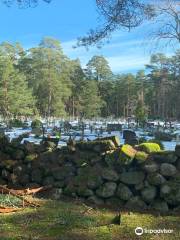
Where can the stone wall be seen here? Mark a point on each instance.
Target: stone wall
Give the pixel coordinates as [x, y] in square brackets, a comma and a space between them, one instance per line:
[102, 172]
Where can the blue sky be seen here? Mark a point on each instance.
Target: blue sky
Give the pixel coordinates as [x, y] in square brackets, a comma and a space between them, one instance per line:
[68, 19]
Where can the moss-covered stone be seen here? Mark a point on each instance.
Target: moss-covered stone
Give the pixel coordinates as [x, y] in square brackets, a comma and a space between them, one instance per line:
[149, 147]
[141, 157]
[114, 139]
[96, 146]
[127, 154]
[30, 157]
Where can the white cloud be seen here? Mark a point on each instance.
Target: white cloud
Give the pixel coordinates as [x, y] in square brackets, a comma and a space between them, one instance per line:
[127, 63]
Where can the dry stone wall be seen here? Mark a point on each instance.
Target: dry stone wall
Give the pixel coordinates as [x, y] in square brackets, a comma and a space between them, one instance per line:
[102, 172]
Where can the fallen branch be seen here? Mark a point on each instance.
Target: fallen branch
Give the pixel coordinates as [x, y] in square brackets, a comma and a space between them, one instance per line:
[5, 190]
[24, 192]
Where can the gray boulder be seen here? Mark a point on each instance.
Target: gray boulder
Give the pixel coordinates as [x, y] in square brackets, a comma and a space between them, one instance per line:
[136, 203]
[160, 206]
[106, 190]
[156, 179]
[110, 175]
[151, 167]
[84, 192]
[132, 178]
[95, 200]
[149, 194]
[123, 192]
[164, 157]
[167, 169]
[165, 190]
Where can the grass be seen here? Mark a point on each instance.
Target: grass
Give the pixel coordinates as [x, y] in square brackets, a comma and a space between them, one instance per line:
[64, 220]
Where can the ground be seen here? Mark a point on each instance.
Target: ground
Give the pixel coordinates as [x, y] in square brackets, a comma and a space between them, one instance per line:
[73, 220]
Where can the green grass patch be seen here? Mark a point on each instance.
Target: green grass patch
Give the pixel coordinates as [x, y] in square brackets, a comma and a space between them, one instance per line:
[72, 221]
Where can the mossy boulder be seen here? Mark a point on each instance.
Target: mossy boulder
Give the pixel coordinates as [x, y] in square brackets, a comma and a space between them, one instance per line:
[141, 157]
[126, 154]
[30, 157]
[132, 178]
[149, 147]
[114, 139]
[96, 146]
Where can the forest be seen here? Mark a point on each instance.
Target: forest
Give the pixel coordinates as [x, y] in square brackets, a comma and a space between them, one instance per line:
[43, 81]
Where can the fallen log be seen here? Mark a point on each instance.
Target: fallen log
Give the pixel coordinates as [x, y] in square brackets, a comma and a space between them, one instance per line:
[9, 210]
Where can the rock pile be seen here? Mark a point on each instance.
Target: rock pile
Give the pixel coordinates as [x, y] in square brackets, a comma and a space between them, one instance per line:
[101, 171]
